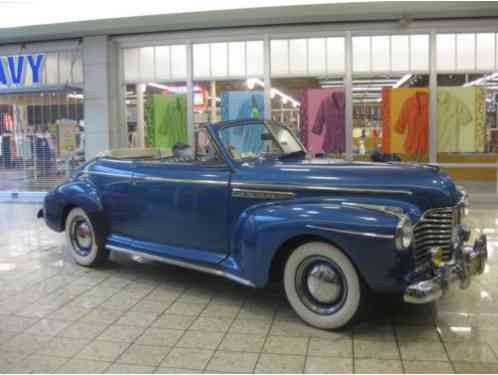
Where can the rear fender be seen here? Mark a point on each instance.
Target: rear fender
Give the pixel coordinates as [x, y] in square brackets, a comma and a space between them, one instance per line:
[81, 194]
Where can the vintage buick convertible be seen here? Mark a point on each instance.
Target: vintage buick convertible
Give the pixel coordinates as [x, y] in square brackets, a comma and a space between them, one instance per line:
[248, 204]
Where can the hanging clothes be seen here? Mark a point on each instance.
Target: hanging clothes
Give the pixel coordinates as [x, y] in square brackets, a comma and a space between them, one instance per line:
[405, 121]
[311, 106]
[414, 120]
[166, 120]
[236, 105]
[331, 120]
[461, 119]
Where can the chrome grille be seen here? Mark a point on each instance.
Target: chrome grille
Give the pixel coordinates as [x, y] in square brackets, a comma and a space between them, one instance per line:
[434, 229]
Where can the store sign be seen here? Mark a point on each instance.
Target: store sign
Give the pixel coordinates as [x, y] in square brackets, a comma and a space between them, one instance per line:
[13, 69]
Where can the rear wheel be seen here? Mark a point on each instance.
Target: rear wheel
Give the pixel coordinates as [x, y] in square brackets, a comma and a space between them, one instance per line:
[323, 286]
[85, 239]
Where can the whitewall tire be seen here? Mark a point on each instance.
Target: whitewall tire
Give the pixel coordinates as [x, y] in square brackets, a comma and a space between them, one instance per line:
[323, 286]
[85, 239]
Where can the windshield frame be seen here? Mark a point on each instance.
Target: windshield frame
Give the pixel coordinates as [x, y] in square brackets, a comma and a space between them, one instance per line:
[229, 124]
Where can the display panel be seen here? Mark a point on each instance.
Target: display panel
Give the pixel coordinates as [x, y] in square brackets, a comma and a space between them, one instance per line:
[391, 116]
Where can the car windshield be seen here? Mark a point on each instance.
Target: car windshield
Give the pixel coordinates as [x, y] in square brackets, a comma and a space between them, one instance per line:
[253, 140]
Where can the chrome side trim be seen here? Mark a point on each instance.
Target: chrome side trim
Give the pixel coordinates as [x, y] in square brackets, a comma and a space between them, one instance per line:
[181, 180]
[343, 189]
[87, 172]
[390, 210]
[261, 194]
[355, 233]
[180, 263]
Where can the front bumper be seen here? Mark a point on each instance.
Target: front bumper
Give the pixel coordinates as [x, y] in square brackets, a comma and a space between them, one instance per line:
[467, 262]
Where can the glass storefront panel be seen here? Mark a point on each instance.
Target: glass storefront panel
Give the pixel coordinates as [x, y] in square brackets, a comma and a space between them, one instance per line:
[391, 116]
[222, 100]
[390, 97]
[467, 131]
[41, 119]
[307, 91]
[156, 114]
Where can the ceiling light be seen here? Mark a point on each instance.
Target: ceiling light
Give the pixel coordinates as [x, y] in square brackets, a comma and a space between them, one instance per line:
[402, 80]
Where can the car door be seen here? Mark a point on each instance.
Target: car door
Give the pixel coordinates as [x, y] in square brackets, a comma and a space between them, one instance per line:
[113, 177]
[181, 208]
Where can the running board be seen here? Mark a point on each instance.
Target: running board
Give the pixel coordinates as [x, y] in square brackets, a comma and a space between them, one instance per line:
[180, 263]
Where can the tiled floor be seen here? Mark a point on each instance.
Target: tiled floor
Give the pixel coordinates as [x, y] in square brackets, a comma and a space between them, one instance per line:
[138, 316]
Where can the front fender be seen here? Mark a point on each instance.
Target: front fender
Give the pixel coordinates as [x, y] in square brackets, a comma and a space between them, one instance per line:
[82, 194]
[263, 229]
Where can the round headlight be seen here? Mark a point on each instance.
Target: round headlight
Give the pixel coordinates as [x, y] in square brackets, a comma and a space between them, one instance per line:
[404, 234]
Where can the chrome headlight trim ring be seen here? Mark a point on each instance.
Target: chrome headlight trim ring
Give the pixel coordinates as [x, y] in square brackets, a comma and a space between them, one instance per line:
[403, 237]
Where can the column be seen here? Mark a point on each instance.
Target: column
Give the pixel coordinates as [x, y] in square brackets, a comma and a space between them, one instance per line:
[105, 127]
[140, 89]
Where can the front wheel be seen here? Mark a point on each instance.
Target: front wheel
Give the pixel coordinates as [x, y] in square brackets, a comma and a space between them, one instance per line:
[322, 286]
[85, 239]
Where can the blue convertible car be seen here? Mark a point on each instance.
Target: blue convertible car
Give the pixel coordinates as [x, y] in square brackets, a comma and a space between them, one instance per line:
[247, 203]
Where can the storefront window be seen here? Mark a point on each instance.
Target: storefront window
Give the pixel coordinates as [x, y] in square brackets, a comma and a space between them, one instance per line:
[307, 92]
[156, 95]
[467, 129]
[41, 119]
[228, 81]
[391, 97]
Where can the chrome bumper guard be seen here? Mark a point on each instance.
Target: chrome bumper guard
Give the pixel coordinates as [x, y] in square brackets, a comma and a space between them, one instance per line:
[467, 262]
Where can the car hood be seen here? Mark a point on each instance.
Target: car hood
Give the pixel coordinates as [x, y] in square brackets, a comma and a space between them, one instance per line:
[426, 186]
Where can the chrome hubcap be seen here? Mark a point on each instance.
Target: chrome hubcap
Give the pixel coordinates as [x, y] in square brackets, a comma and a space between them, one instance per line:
[321, 285]
[324, 284]
[81, 236]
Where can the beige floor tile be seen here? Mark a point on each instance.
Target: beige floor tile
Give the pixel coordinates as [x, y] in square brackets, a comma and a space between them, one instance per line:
[232, 362]
[211, 324]
[17, 324]
[174, 321]
[301, 329]
[121, 333]
[464, 367]
[124, 368]
[257, 312]
[103, 350]
[187, 358]
[47, 327]
[185, 309]
[415, 350]
[242, 343]
[160, 337]
[250, 326]
[376, 349]
[144, 355]
[200, 340]
[82, 330]
[286, 345]
[328, 365]
[383, 366]
[337, 348]
[102, 315]
[63, 347]
[280, 363]
[414, 333]
[221, 311]
[39, 364]
[69, 313]
[83, 366]
[475, 352]
[427, 367]
[172, 370]
[9, 359]
[150, 306]
[27, 344]
[370, 331]
[139, 319]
